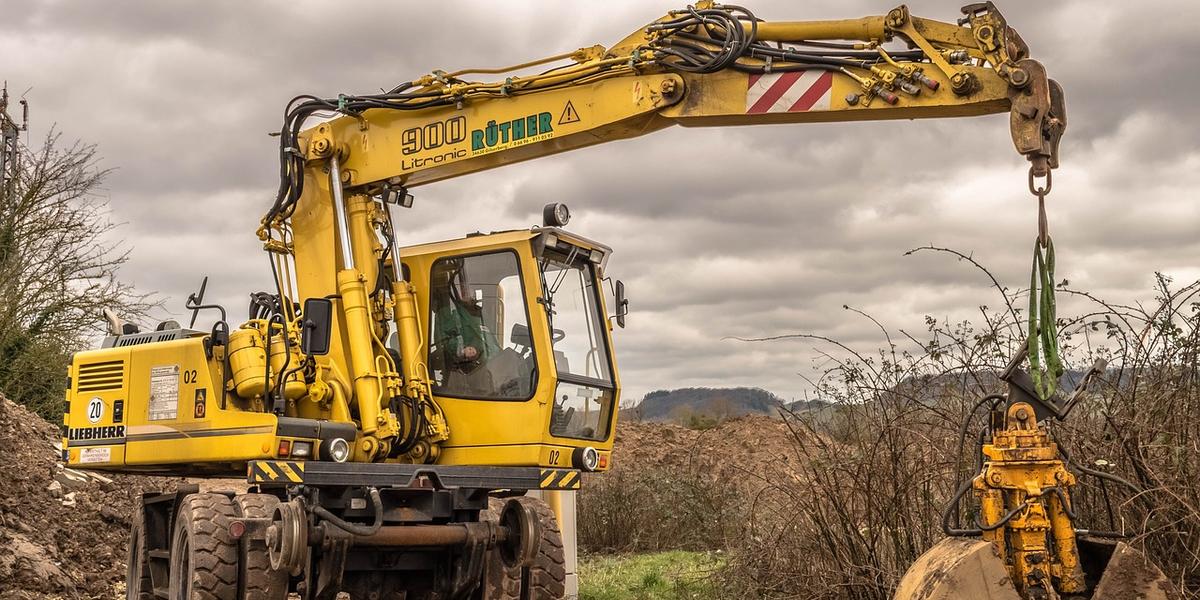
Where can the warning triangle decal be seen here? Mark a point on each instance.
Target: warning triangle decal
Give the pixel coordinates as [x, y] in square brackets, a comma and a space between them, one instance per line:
[568, 114]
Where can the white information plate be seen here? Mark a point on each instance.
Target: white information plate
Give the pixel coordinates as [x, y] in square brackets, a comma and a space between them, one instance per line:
[95, 455]
[164, 393]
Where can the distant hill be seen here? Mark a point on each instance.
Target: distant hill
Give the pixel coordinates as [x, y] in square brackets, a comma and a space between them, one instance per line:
[720, 403]
[801, 406]
[707, 406]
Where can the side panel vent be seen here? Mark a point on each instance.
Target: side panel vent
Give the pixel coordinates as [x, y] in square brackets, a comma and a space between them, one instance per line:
[135, 339]
[101, 376]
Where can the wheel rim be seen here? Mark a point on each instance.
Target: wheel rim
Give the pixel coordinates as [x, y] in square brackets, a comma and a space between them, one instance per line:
[524, 534]
[183, 575]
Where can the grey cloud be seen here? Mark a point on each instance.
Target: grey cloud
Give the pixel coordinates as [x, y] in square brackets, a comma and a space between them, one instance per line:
[720, 233]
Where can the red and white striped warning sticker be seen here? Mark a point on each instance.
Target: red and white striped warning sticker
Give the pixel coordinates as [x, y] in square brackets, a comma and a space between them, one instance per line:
[793, 91]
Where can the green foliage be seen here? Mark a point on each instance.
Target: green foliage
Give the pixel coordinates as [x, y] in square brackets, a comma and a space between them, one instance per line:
[35, 375]
[701, 422]
[675, 575]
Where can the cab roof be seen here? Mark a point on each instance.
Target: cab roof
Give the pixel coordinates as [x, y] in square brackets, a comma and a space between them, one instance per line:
[479, 240]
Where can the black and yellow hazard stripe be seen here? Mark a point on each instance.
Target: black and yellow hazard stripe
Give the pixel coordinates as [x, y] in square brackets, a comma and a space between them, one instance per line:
[560, 479]
[275, 471]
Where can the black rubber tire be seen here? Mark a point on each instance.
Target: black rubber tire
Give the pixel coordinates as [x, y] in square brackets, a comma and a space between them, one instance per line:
[204, 556]
[138, 585]
[257, 580]
[546, 578]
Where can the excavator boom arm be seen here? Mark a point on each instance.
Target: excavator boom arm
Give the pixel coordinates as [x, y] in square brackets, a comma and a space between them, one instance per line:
[708, 65]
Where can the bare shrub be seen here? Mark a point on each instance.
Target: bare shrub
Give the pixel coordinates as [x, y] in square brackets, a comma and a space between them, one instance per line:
[655, 509]
[58, 270]
[871, 472]
[1145, 427]
[875, 475]
[873, 478]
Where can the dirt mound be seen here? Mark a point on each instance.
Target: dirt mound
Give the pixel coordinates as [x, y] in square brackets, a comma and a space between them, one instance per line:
[62, 532]
[751, 448]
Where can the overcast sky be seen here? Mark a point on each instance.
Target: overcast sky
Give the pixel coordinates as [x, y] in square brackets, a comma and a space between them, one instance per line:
[718, 232]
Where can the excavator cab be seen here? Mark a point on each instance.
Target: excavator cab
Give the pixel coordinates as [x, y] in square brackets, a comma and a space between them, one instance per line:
[518, 333]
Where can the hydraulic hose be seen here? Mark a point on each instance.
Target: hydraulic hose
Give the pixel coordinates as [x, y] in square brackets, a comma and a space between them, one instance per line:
[952, 507]
[1100, 474]
[962, 441]
[354, 528]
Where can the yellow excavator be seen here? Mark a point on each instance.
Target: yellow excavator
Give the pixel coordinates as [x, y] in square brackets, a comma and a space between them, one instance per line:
[396, 408]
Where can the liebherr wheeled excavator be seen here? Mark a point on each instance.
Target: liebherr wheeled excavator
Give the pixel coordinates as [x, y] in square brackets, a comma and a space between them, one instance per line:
[391, 406]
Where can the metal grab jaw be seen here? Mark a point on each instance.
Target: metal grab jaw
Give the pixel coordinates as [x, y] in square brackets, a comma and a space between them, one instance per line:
[1024, 493]
[1029, 547]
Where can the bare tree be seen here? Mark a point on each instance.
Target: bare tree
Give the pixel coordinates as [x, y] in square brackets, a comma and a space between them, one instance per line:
[58, 270]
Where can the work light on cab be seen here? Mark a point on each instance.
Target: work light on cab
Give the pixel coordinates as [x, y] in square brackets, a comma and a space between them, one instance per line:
[556, 214]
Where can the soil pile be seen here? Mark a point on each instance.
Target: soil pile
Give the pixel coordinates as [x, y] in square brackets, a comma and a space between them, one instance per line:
[751, 448]
[62, 532]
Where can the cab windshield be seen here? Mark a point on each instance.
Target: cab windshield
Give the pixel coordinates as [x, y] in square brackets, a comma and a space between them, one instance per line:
[584, 396]
[480, 347]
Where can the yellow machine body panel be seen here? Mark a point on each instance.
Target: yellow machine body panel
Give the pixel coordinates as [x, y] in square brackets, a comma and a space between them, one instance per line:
[155, 404]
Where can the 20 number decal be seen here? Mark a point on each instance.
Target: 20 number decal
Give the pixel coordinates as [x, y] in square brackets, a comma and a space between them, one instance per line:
[95, 410]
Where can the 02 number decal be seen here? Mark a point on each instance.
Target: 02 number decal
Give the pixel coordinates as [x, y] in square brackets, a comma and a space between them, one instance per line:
[554, 454]
[189, 376]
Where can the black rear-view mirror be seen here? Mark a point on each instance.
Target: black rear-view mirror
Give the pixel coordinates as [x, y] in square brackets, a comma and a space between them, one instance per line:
[622, 304]
[318, 326]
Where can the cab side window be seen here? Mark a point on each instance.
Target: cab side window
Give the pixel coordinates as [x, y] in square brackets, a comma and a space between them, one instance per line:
[480, 346]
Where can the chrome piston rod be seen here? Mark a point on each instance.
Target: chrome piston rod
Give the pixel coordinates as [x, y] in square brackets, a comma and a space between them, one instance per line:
[340, 218]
